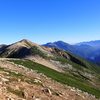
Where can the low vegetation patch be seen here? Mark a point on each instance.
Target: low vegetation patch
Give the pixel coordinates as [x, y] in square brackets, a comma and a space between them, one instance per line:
[35, 50]
[14, 73]
[84, 63]
[16, 92]
[1, 69]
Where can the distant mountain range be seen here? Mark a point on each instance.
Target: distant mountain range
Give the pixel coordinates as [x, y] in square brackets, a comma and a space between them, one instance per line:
[95, 44]
[88, 50]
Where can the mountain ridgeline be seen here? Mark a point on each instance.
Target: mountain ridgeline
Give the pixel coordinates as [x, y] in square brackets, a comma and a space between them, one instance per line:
[57, 63]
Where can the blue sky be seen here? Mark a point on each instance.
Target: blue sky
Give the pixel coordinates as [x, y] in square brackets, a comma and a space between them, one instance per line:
[43, 21]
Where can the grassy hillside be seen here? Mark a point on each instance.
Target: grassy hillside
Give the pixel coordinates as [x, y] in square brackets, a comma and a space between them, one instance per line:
[84, 63]
[60, 77]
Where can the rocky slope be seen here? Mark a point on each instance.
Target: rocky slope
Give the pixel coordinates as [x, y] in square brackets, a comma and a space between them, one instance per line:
[20, 83]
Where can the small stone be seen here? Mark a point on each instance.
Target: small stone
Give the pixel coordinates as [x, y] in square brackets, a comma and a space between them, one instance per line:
[37, 81]
[47, 91]
[17, 88]
[0, 83]
[25, 94]
[37, 99]
[4, 79]
[19, 80]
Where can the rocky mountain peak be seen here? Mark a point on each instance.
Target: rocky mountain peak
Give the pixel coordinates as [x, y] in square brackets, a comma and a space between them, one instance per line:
[25, 43]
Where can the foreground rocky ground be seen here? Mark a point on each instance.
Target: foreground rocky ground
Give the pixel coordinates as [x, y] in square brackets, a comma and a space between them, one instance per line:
[20, 83]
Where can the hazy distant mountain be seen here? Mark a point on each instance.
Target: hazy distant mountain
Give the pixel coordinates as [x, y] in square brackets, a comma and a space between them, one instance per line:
[83, 50]
[95, 44]
[88, 50]
[96, 54]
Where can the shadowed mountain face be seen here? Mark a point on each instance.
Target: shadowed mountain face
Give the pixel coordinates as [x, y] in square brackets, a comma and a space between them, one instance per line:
[20, 49]
[56, 63]
[3, 47]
